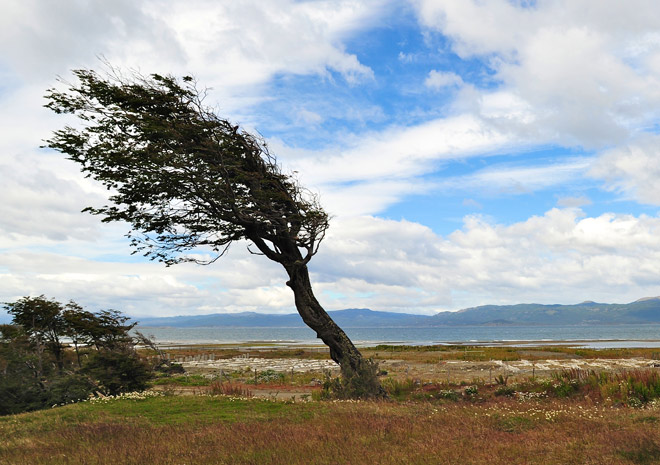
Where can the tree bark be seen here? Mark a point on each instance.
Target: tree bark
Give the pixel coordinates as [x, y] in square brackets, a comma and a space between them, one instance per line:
[342, 349]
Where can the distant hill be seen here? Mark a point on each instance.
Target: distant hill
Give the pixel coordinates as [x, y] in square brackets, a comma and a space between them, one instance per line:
[646, 310]
[349, 318]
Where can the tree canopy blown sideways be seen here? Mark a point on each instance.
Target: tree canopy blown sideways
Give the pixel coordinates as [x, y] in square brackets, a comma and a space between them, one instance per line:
[186, 179]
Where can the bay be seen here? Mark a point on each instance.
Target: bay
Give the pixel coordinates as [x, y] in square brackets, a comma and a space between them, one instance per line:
[601, 336]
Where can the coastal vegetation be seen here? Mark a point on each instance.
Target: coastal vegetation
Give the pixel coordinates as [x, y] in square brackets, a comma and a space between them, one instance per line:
[38, 369]
[205, 429]
[570, 416]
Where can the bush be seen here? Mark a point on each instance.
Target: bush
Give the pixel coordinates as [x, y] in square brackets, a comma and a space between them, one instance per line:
[21, 395]
[37, 370]
[398, 389]
[69, 389]
[507, 391]
[471, 391]
[634, 388]
[117, 371]
[362, 383]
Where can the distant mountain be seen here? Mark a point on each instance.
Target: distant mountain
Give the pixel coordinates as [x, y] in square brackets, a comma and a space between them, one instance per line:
[646, 310]
[349, 318]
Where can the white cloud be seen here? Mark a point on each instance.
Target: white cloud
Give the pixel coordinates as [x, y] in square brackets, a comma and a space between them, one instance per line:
[375, 170]
[561, 256]
[587, 76]
[440, 79]
[517, 179]
[39, 202]
[472, 204]
[234, 47]
[239, 282]
[565, 72]
[632, 169]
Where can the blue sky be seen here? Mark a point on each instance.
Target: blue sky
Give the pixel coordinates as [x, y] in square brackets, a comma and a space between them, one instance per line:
[469, 152]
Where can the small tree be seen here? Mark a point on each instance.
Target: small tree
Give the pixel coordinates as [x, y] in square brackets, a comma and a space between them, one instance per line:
[42, 320]
[21, 386]
[78, 324]
[184, 178]
[32, 342]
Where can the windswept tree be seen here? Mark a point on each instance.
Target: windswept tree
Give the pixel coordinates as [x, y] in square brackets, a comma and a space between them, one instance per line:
[37, 370]
[41, 319]
[186, 179]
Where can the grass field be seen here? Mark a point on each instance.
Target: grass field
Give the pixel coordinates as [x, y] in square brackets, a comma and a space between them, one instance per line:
[574, 417]
[225, 430]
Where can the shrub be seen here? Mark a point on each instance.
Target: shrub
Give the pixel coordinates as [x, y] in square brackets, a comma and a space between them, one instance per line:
[69, 389]
[634, 388]
[507, 391]
[398, 389]
[362, 383]
[448, 394]
[117, 371]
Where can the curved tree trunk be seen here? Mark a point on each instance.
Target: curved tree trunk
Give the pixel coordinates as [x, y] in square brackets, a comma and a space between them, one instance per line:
[342, 349]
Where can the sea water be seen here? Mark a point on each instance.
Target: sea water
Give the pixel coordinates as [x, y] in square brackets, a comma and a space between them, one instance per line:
[605, 336]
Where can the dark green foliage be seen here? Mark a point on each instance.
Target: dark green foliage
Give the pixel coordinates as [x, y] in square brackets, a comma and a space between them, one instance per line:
[117, 371]
[72, 387]
[38, 370]
[507, 391]
[180, 175]
[42, 321]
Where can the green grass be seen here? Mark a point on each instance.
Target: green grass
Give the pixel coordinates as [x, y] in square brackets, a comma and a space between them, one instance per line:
[171, 410]
[185, 380]
[223, 430]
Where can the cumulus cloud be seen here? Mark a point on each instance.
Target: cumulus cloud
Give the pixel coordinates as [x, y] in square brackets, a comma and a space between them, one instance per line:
[560, 256]
[439, 79]
[562, 72]
[244, 42]
[240, 282]
[632, 169]
[38, 203]
[587, 75]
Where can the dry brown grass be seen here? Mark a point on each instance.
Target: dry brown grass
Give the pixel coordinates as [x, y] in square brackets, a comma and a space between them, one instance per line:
[259, 432]
[433, 354]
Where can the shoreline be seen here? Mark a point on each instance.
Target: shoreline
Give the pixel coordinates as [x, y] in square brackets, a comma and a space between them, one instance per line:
[622, 336]
[311, 345]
